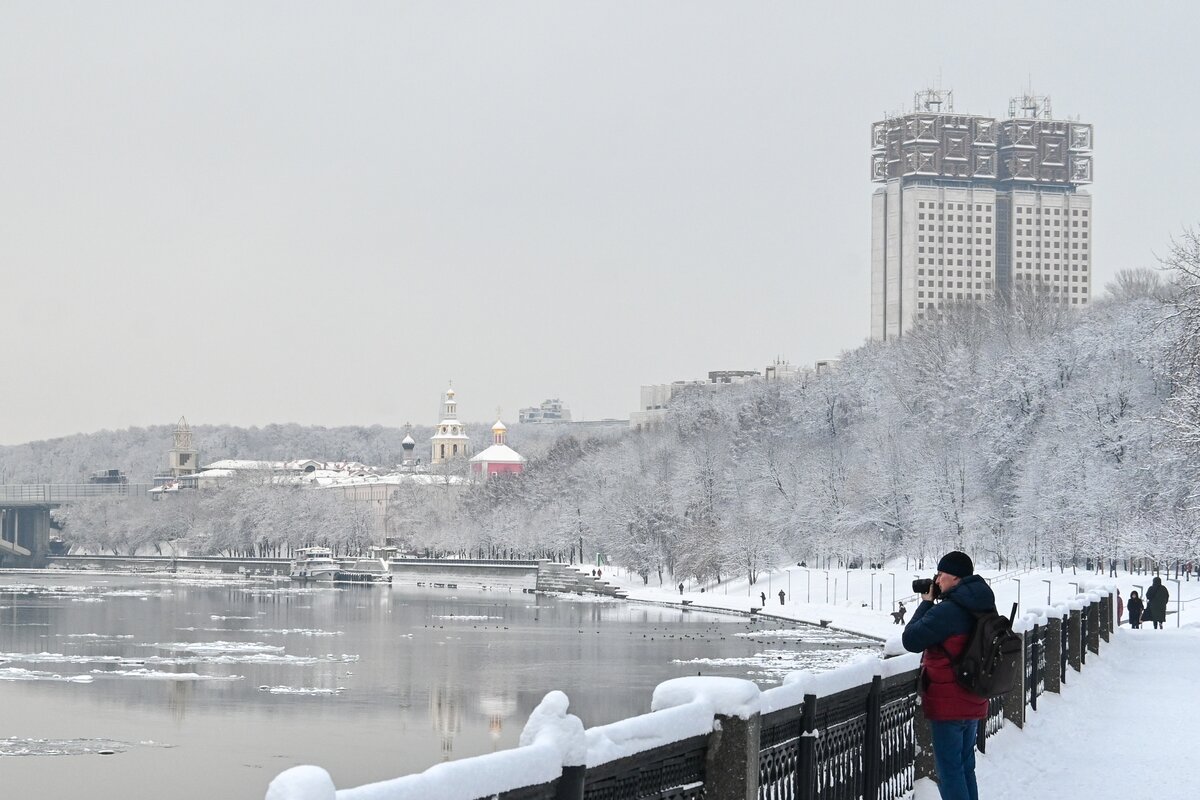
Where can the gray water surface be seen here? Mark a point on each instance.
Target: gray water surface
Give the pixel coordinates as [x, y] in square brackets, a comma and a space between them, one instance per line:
[115, 687]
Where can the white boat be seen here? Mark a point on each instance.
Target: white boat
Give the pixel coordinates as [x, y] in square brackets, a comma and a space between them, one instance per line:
[313, 564]
[364, 570]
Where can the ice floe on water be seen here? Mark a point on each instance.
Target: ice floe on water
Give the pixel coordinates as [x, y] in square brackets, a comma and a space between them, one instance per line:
[159, 675]
[96, 636]
[771, 666]
[302, 690]
[464, 617]
[219, 617]
[87, 599]
[248, 658]
[213, 648]
[16, 746]
[59, 658]
[293, 631]
[19, 674]
[805, 634]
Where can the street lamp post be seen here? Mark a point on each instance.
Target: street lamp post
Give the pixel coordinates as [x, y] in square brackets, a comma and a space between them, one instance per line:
[1178, 599]
[1047, 582]
[826, 587]
[893, 590]
[808, 590]
[872, 591]
[1018, 580]
[789, 583]
[1076, 585]
[847, 586]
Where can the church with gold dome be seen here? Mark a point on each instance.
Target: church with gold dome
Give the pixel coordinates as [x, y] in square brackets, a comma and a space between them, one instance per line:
[499, 458]
[451, 442]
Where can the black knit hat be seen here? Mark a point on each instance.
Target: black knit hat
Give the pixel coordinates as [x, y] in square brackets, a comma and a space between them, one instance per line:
[956, 563]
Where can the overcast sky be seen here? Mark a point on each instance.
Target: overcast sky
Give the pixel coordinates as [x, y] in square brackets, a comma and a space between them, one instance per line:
[321, 213]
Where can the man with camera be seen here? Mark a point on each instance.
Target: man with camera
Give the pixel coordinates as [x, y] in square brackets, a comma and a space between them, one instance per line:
[939, 631]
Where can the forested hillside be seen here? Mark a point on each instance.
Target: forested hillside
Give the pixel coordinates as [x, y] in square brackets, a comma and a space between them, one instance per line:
[1022, 433]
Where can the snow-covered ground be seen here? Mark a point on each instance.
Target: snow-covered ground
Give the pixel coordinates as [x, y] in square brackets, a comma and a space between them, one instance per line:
[1125, 728]
[805, 592]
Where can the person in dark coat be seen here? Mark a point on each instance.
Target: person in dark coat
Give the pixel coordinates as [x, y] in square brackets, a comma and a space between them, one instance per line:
[1136, 607]
[939, 632]
[763, 595]
[781, 596]
[1156, 602]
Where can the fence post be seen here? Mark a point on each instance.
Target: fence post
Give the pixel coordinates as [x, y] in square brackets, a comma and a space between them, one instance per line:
[873, 740]
[1053, 673]
[1014, 701]
[806, 761]
[1093, 638]
[571, 784]
[1074, 645]
[731, 763]
[1106, 616]
[1035, 653]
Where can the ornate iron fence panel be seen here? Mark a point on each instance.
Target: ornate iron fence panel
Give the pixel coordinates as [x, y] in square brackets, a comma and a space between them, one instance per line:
[898, 736]
[839, 760]
[779, 754]
[1083, 636]
[1039, 682]
[994, 721]
[1064, 644]
[671, 772]
[841, 720]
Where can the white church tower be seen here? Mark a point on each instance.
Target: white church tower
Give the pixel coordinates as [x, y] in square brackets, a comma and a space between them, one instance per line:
[183, 458]
[449, 442]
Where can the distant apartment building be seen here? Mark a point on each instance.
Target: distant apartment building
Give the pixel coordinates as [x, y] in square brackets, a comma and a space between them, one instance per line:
[972, 207]
[548, 411]
[656, 398]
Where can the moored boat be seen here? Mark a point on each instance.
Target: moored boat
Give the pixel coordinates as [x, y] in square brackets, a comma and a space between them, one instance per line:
[364, 570]
[313, 564]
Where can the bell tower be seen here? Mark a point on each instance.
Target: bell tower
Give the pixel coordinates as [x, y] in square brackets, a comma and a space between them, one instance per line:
[184, 458]
[449, 442]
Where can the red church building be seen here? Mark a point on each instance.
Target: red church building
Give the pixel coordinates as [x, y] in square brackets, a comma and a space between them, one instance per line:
[499, 459]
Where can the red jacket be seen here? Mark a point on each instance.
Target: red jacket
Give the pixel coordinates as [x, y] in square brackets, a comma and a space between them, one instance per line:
[941, 697]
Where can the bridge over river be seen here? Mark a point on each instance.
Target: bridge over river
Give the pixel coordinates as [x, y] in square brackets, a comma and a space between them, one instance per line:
[25, 514]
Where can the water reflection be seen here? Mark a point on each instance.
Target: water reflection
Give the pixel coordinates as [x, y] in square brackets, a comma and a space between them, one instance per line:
[370, 682]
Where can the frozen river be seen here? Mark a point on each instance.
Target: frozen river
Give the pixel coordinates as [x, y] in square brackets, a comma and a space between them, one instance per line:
[207, 688]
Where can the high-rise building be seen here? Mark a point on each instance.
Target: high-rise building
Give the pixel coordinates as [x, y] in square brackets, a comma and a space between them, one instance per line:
[974, 206]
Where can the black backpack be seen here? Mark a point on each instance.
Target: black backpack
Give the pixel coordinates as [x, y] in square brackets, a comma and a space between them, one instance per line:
[993, 658]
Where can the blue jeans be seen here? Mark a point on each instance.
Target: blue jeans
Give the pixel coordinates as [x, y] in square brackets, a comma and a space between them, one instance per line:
[954, 756]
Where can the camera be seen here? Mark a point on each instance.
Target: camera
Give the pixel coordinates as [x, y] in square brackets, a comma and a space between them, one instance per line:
[923, 585]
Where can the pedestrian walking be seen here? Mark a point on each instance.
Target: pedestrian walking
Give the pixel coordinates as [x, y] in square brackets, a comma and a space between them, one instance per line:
[939, 631]
[1156, 602]
[1120, 607]
[681, 587]
[763, 595]
[1136, 609]
[898, 616]
[781, 596]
